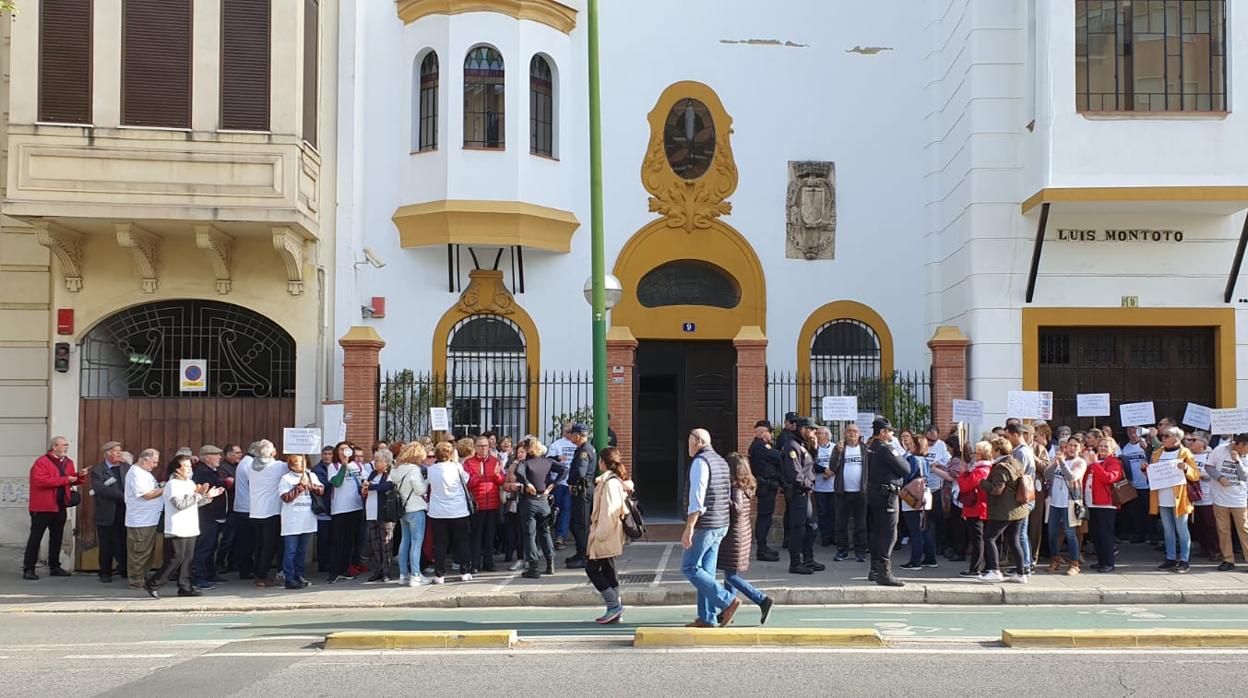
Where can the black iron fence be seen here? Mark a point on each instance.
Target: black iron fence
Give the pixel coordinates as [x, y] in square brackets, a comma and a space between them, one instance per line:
[508, 403]
[904, 397]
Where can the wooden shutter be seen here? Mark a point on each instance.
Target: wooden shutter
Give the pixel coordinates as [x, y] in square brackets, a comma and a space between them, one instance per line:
[311, 53]
[156, 63]
[245, 49]
[65, 61]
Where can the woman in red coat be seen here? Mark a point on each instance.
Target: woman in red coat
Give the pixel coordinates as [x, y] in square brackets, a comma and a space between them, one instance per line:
[974, 503]
[1098, 485]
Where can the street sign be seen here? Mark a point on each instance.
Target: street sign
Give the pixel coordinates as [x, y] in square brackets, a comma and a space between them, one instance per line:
[193, 375]
[689, 327]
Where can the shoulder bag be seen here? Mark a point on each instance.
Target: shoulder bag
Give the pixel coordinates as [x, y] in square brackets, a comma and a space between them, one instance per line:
[1123, 492]
[472, 503]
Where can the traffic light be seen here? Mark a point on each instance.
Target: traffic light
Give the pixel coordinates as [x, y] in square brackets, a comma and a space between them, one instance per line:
[61, 357]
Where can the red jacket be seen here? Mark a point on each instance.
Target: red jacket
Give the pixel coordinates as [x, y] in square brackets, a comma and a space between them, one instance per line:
[969, 481]
[46, 480]
[484, 481]
[1104, 474]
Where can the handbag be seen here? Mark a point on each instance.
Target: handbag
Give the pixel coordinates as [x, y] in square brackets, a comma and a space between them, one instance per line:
[1194, 493]
[1025, 490]
[1076, 514]
[913, 493]
[472, 503]
[318, 503]
[1123, 492]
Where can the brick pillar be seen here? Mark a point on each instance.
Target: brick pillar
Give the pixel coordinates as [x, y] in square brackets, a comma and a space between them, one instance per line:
[361, 366]
[621, 359]
[948, 347]
[751, 345]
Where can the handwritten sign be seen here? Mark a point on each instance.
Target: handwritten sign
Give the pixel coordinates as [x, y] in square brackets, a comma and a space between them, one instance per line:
[1164, 474]
[1092, 405]
[301, 440]
[1137, 414]
[439, 419]
[1229, 421]
[1029, 404]
[969, 411]
[1196, 416]
[840, 408]
[864, 421]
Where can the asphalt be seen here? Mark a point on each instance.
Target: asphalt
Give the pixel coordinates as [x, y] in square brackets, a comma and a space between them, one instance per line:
[651, 577]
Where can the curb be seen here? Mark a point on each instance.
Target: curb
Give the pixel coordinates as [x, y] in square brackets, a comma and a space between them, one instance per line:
[420, 639]
[1165, 639]
[756, 637]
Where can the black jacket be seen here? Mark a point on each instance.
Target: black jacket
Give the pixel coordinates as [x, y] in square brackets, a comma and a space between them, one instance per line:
[886, 465]
[584, 466]
[110, 499]
[219, 508]
[797, 465]
[765, 463]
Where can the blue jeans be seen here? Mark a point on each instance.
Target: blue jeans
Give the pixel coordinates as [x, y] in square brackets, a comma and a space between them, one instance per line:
[1059, 525]
[413, 527]
[1024, 541]
[733, 581]
[922, 542]
[1170, 522]
[294, 555]
[698, 566]
[563, 500]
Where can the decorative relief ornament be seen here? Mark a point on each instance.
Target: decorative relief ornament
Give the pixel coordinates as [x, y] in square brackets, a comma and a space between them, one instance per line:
[486, 294]
[811, 215]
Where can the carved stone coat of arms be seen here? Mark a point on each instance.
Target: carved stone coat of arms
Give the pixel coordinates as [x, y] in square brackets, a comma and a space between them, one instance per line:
[811, 211]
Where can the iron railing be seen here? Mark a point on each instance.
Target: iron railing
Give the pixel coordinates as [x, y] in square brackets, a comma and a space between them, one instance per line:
[904, 397]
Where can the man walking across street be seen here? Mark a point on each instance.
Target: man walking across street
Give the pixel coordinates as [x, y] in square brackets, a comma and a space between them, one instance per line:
[765, 463]
[706, 524]
[108, 490]
[143, 510]
[52, 478]
[584, 468]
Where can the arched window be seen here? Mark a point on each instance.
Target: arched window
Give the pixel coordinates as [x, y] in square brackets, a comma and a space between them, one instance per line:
[688, 282]
[843, 353]
[483, 99]
[486, 365]
[425, 104]
[138, 352]
[541, 108]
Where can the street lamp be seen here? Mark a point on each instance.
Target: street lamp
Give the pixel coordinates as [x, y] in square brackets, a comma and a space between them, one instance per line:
[597, 255]
[612, 288]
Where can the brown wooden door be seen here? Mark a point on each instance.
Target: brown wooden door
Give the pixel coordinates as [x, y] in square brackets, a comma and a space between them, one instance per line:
[167, 424]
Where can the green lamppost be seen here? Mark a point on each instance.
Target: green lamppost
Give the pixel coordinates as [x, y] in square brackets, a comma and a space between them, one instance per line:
[597, 247]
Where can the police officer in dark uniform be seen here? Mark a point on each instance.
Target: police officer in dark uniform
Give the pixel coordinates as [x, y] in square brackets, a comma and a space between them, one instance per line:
[798, 472]
[584, 468]
[765, 464]
[886, 470]
[787, 434]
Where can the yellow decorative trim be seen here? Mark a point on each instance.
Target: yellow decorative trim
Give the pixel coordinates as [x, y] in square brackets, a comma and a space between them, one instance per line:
[486, 294]
[1136, 194]
[548, 12]
[620, 334]
[840, 310]
[948, 334]
[717, 244]
[361, 335]
[1222, 320]
[689, 204]
[497, 223]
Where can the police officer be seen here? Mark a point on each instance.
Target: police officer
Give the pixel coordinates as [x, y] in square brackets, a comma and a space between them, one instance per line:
[798, 472]
[886, 468]
[765, 463]
[584, 468]
[787, 434]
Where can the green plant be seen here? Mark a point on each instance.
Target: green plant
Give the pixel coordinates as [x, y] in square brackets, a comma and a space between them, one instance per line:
[8, 6]
[584, 415]
[894, 397]
[405, 403]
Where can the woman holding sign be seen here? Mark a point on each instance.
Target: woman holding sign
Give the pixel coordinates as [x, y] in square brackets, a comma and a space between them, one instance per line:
[1170, 501]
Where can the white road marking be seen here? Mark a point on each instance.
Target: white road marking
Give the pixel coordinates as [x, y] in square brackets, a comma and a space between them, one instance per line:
[118, 656]
[229, 624]
[1136, 653]
[658, 573]
[506, 580]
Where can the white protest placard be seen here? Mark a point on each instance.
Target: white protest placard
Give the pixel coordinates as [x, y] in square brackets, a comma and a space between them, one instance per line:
[840, 408]
[864, 421]
[1092, 405]
[302, 440]
[439, 419]
[1029, 404]
[1233, 420]
[969, 411]
[333, 424]
[1137, 414]
[1166, 473]
[193, 375]
[1196, 416]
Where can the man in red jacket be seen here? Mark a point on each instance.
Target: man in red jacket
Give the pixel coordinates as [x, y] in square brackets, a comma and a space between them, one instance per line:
[52, 479]
[485, 477]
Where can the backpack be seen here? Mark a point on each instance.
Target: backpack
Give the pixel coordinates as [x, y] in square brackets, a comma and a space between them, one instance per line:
[390, 508]
[1025, 489]
[634, 521]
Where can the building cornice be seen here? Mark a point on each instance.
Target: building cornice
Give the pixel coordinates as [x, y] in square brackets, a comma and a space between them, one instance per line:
[549, 12]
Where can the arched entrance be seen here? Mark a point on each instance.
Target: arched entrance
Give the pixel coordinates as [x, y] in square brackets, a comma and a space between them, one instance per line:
[130, 372]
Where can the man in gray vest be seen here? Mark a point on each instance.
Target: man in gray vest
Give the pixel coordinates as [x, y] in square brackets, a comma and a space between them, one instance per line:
[710, 488]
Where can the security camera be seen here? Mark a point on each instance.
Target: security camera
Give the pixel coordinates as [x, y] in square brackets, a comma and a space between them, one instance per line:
[373, 259]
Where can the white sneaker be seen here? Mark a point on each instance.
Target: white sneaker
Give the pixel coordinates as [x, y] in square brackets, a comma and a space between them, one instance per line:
[1018, 578]
[517, 565]
[991, 576]
[403, 579]
[439, 580]
[414, 581]
[465, 577]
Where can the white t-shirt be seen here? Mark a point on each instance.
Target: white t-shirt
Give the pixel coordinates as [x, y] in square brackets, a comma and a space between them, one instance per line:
[297, 516]
[446, 491]
[242, 485]
[180, 523]
[370, 504]
[1206, 483]
[1059, 490]
[1132, 458]
[1235, 496]
[823, 456]
[939, 453]
[347, 498]
[561, 450]
[141, 512]
[851, 472]
[1165, 496]
[265, 501]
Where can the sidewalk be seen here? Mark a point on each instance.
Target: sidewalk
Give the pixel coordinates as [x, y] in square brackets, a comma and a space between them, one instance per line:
[650, 576]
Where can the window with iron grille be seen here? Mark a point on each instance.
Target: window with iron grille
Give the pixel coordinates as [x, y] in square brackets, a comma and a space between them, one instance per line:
[541, 107]
[483, 99]
[1150, 55]
[843, 353]
[486, 365]
[425, 104]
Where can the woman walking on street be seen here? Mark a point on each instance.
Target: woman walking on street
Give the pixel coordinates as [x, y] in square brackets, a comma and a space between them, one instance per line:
[734, 552]
[606, 532]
